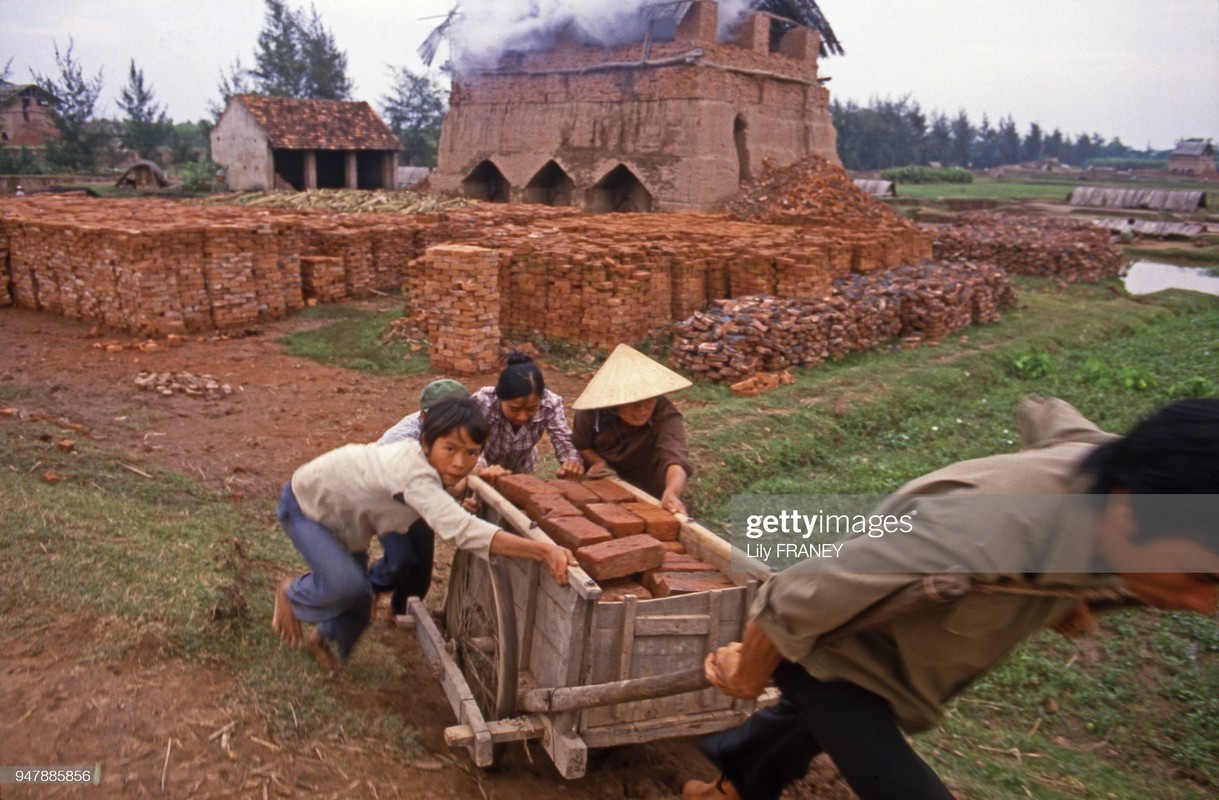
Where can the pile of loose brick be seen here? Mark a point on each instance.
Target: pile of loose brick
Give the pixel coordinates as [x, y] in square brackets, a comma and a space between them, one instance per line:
[734, 339]
[627, 547]
[1074, 251]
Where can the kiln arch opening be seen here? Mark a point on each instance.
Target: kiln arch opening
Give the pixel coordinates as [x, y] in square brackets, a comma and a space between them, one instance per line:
[486, 182]
[550, 186]
[619, 191]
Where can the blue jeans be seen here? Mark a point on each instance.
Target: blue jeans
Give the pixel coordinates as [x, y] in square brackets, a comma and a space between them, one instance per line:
[855, 727]
[406, 567]
[336, 594]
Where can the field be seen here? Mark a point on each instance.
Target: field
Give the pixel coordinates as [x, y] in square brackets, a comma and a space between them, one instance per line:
[139, 550]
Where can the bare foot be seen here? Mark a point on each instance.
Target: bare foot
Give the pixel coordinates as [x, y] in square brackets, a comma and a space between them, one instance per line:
[283, 620]
[319, 648]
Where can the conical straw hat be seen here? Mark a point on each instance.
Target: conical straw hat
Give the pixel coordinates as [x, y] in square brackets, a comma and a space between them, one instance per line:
[628, 376]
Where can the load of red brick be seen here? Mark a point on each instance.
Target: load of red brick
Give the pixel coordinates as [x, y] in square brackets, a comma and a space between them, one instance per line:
[1074, 251]
[734, 339]
[628, 547]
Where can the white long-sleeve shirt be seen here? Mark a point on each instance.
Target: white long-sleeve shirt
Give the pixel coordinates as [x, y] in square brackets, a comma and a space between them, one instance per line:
[359, 491]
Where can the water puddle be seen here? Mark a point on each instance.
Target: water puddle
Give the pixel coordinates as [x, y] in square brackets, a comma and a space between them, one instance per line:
[1145, 277]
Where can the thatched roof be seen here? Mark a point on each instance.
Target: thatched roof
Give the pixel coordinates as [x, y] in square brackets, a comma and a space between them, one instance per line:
[293, 123]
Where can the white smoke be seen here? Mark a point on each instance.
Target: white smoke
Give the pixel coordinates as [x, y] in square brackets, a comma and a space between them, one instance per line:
[483, 31]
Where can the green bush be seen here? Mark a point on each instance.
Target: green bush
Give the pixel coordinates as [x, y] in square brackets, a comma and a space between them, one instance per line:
[200, 176]
[927, 175]
[22, 162]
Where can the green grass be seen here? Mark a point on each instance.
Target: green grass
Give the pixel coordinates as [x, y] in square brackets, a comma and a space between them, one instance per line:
[193, 573]
[984, 188]
[1051, 187]
[186, 573]
[874, 420]
[353, 339]
[1205, 255]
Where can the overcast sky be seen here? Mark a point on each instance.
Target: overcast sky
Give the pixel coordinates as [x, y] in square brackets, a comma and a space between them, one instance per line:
[1146, 71]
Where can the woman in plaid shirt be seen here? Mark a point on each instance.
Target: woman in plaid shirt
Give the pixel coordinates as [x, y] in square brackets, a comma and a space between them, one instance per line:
[519, 409]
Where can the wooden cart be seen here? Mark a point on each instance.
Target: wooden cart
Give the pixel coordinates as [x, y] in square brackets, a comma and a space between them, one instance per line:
[526, 658]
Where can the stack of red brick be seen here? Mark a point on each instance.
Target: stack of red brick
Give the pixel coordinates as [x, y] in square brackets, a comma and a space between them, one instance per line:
[460, 293]
[628, 547]
[734, 339]
[1070, 250]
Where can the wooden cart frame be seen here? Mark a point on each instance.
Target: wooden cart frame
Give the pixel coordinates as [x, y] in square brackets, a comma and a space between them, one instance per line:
[527, 659]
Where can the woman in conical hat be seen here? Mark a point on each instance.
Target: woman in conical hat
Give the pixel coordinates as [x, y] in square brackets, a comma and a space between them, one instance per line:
[625, 423]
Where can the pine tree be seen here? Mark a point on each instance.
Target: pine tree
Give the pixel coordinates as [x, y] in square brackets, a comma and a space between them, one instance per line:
[76, 97]
[146, 126]
[297, 57]
[325, 65]
[414, 111]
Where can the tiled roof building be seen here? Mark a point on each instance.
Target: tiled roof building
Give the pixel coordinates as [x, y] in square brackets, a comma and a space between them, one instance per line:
[292, 143]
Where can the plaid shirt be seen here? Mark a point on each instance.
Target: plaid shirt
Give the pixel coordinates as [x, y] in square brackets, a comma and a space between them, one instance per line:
[516, 450]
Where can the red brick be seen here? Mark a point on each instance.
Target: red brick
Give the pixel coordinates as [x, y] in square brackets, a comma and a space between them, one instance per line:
[609, 492]
[550, 505]
[682, 562]
[519, 489]
[664, 584]
[615, 518]
[577, 493]
[616, 591]
[618, 558]
[660, 523]
[674, 547]
[574, 532]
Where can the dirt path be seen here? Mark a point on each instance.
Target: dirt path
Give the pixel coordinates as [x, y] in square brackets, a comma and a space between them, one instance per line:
[158, 725]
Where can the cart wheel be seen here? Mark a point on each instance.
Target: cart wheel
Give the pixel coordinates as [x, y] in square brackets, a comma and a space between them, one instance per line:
[481, 624]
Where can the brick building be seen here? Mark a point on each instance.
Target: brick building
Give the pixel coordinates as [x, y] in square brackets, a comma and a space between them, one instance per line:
[1192, 157]
[675, 121]
[289, 143]
[26, 116]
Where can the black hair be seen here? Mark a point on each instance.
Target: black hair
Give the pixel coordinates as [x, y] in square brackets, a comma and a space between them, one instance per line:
[1173, 451]
[450, 414]
[520, 378]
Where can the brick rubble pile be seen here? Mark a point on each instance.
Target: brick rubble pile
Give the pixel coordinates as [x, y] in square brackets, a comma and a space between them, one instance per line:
[1074, 251]
[734, 339]
[168, 384]
[626, 546]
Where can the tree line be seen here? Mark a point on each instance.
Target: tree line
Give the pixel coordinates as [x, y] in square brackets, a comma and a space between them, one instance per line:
[896, 133]
[296, 55]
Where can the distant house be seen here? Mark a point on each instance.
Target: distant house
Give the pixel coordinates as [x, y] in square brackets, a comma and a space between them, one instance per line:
[1192, 157]
[287, 143]
[26, 116]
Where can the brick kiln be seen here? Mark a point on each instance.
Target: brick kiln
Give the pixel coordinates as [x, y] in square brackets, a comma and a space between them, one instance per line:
[671, 122]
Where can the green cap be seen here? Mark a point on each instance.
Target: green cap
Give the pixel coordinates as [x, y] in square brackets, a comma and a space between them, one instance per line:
[436, 391]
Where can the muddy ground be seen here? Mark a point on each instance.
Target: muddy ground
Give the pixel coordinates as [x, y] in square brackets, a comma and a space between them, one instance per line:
[157, 726]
